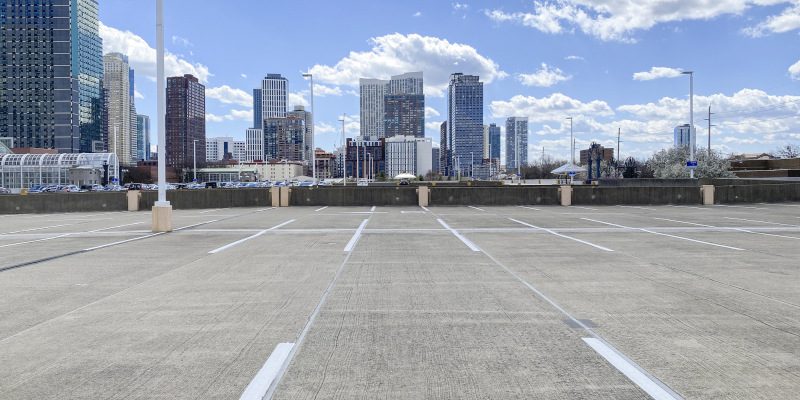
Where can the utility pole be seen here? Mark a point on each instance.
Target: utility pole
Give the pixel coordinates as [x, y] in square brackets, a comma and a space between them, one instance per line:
[709, 130]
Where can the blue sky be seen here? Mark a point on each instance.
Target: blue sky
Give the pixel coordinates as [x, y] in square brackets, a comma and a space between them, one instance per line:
[592, 60]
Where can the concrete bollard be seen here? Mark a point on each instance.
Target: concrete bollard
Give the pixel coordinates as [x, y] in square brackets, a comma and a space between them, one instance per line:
[707, 191]
[424, 193]
[275, 195]
[565, 192]
[133, 199]
[162, 218]
[285, 195]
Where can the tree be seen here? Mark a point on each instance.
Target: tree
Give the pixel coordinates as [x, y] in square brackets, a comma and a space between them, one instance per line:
[671, 164]
[788, 151]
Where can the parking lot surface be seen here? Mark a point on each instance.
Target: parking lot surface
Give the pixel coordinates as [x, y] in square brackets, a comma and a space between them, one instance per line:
[662, 302]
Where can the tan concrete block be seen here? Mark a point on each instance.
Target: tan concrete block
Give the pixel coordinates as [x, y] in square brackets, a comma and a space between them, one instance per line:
[162, 218]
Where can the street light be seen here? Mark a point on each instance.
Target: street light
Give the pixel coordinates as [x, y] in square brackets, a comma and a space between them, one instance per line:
[691, 119]
[313, 148]
[194, 159]
[162, 210]
[571, 142]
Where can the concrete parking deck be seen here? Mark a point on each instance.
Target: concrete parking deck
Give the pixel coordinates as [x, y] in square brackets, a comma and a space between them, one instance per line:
[547, 302]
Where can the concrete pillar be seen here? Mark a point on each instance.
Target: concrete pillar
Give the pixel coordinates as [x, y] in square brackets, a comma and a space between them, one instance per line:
[133, 200]
[275, 194]
[285, 195]
[565, 192]
[707, 192]
[424, 193]
[162, 218]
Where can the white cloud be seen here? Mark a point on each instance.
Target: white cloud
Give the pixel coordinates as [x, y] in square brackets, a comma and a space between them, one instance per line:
[137, 94]
[396, 53]
[435, 126]
[657, 73]
[431, 112]
[177, 40]
[618, 19]
[322, 128]
[233, 115]
[418, 14]
[143, 57]
[544, 77]
[574, 58]
[322, 90]
[556, 107]
[794, 70]
[228, 95]
[460, 6]
[297, 99]
[243, 76]
[786, 21]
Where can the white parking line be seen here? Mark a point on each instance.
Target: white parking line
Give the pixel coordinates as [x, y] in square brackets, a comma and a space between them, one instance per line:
[562, 236]
[373, 209]
[530, 208]
[747, 207]
[633, 373]
[209, 211]
[36, 241]
[780, 204]
[238, 242]
[472, 246]
[476, 208]
[320, 209]
[261, 383]
[124, 241]
[425, 208]
[35, 229]
[735, 229]
[665, 234]
[696, 208]
[356, 236]
[684, 222]
[760, 222]
[115, 227]
[639, 208]
[587, 208]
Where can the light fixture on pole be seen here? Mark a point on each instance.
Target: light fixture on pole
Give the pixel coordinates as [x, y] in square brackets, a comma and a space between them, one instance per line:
[313, 148]
[692, 140]
[162, 210]
[571, 142]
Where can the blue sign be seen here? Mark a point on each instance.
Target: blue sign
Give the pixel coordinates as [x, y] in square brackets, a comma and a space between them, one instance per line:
[691, 164]
[572, 174]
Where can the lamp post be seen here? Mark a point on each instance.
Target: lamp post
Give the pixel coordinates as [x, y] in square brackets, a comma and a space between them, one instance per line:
[162, 210]
[691, 120]
[194, 159]
[571, 142]
[313, 148]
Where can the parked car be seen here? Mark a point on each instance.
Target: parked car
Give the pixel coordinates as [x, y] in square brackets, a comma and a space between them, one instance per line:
[135, 186]
[4, 190]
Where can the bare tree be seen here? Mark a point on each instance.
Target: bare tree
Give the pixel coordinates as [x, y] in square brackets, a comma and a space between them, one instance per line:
[788, 151]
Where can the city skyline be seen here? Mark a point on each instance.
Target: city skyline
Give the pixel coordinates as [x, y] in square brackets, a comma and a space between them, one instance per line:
[604, 79]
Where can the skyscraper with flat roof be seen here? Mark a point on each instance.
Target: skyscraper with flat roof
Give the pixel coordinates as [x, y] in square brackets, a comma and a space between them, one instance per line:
[121, 117]
[143, 135]
[516, 142]
[465, 123]
[372, 98]
[51, 64]
[186, 122]
[273, 96]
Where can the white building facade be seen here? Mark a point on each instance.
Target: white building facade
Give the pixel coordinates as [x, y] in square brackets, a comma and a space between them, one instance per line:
[254, 145]
[122, 135]
[373, 95]
[408, 154]
[273, 96]
[217, 147]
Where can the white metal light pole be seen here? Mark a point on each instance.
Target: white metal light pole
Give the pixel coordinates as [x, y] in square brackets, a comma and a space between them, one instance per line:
[194, 158]
[313, 148]
[344, 152]
[691, 120]
[162, 211]
[571, 142]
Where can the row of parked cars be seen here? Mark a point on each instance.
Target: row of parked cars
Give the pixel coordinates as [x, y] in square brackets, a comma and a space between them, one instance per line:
[170, 186]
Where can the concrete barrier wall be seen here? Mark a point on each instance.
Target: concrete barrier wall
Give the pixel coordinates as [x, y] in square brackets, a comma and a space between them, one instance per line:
[598, 195]
[43, 203]
[354, 196]
[501, 196]
[209, 198]
[757, 193]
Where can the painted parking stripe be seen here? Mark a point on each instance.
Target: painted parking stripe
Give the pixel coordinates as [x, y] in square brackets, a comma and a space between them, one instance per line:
[735, 229]
[639, 208]
[665, 234]
[320, 209]
[747, 207]
[373, 209]
[36, 241]
[263, 380]
[356, 236]
[760, 222]
[209, 211]
[587, 208]
[472, 246]
[562, 236]
[530, 208]
[238, 242]
[684, 222]
[476, 208]
[636, 375]
[36, 229]
[425, 208]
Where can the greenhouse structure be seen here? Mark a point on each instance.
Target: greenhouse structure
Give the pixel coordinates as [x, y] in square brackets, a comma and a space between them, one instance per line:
[19, 171]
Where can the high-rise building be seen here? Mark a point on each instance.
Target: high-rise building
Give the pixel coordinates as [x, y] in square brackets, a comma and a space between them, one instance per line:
[218, 148]
[408, 154]
[516, 142]
[684, 135]
[143, 135]
[404, 115]
[491, 142]
[258, 111]
[373, 94]
[408, 83]
[134, 121]
[300, 112]
[273, 97]
[365, 158]
[445, 162]
[121, 117]
[436, 158]
[254, 145]
[186, 122]
[465, 123]
[51, 64]
[326, 164]
[284, 138]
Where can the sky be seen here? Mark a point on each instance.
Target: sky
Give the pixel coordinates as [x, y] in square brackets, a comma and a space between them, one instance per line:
[612, 65]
